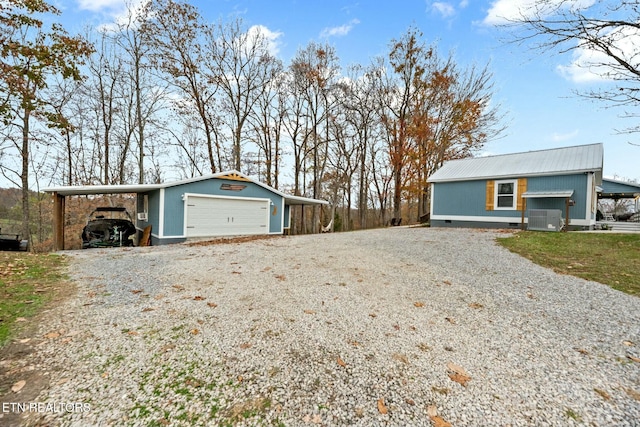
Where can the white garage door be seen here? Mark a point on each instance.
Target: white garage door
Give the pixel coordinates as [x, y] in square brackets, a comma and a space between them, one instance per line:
[220, 216]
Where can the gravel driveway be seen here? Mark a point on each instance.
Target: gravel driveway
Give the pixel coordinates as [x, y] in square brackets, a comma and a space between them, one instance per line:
[402, 326]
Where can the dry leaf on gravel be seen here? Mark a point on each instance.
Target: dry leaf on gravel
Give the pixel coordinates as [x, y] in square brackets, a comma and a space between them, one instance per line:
[604, 394]
[631, 392]
[438, 421]
[635, 359]
[280, 277]
[381, 407]
[341, 362]
[418, 304]
[132, 333]
[309, 312]
[450, 320]
[212, 304]
[446, 282]
[460, 379]
[137, 291]
[628, 343]
[456, 368]
[458, 374]
[476, 305]
[52, 335]
[194, 332]
[18, 386]
[199, 298]
[245, 345]
[148, 309]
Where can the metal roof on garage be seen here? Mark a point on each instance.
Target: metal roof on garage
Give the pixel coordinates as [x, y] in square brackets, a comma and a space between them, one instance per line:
[78, 190]
[556, 161]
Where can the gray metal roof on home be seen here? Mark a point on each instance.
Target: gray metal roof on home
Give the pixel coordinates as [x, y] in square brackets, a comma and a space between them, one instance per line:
[557, 161]
[75, 190]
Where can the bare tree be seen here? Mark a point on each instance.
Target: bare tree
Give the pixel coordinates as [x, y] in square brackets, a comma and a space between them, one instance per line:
[176, 33]
[603, 36]
[242, 67]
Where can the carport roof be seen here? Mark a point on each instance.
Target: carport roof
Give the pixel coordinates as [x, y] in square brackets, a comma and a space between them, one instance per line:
[81, 190]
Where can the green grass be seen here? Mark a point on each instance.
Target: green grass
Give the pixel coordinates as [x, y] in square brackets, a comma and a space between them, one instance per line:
[611, 259]
[27, 281]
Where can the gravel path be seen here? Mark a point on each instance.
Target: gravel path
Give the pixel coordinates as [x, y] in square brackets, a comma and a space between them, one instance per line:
[394, 327]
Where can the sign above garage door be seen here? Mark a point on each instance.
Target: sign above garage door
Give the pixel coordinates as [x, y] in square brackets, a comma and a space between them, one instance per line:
[210, 216]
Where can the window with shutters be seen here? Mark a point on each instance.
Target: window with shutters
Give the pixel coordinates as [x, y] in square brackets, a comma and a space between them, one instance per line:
[505, 194]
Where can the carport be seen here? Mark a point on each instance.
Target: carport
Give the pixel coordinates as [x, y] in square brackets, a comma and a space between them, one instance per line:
[59, 195]
[223, 204]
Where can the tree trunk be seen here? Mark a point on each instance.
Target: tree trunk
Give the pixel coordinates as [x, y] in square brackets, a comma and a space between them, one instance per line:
[24, 176]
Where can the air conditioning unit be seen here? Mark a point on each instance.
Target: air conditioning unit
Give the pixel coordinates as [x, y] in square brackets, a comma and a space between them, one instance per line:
[545, 220]
[142, 216]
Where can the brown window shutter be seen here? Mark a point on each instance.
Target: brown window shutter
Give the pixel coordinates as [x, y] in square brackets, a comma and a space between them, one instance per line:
[491, 186]
[522, 187]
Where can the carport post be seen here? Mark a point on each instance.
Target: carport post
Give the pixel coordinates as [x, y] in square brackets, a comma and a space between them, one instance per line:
[58, 222]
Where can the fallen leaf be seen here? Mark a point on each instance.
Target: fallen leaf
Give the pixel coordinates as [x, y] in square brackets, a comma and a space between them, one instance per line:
[245, 345]
[52, 335]
[199, 298]
[178, 287]
[450, 320]
[627, 343]
[410, 401]
[373, 315]
[418, 304]
[212, 304]
[137, 291]
[309, 312]
[459, 378]
[280, 277]
[194, 332]
[341, 362]
[456, 368]
[439, 422]
[159, 296]
[381, 407]
[635, 359]
[132, 333]
[401, 358]
[476, 305]
[446, 282]
[631, 392]
[266, 269]
[147, 309]
[18, 386]
[432, 411]
[602, 393]
[582, 351]
[105, 375]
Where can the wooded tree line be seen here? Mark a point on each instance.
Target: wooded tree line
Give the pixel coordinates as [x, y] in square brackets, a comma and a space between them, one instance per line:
[165, 94]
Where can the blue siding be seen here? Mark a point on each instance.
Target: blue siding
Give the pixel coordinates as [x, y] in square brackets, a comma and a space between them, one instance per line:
[464, 198]
[619, 187]
[468, 198]
[174, 205]
[577, 183]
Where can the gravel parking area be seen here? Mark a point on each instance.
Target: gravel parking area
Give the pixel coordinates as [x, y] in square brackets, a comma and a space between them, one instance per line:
[393, 327]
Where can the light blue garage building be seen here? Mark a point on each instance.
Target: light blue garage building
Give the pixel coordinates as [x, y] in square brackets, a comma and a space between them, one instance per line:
[546, 188]
[223, 204]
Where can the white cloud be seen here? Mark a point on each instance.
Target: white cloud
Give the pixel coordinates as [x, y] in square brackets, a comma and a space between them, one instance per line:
[463, 4]
[342, 30]
[504, 11]
[561, 137]
[444, 9]
[588, 65]
[272, 37]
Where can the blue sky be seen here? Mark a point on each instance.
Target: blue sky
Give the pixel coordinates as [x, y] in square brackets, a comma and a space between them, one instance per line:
[536, 91]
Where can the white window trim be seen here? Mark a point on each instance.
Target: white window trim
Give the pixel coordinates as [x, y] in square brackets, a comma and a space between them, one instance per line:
[515, 195]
